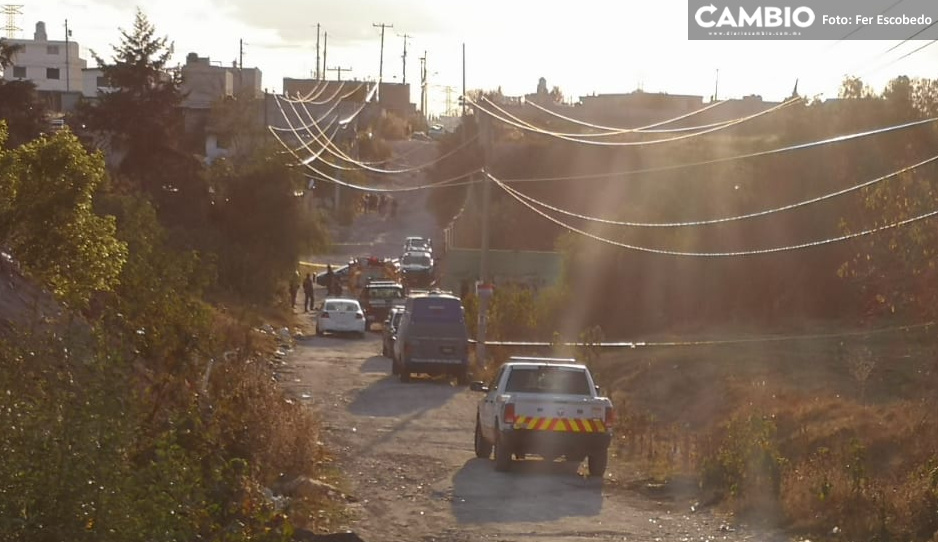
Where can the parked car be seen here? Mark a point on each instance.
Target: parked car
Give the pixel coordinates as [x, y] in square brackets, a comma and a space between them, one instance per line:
[543, 406]
[389, 331]
[377, 297]
[432, 337]
[417, 270]
[340, 315]
[417, 244]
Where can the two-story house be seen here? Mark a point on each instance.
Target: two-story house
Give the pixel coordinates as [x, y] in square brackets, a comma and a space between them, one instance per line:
[54, 66]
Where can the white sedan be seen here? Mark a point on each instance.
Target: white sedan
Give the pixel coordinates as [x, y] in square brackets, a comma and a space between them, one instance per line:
[340, 315]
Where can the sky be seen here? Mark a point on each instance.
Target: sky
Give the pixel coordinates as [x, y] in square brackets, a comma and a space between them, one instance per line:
[585, 47]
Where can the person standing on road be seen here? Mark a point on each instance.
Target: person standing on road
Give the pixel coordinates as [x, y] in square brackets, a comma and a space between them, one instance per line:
[308, 291]
[330, 280]
[294, 287]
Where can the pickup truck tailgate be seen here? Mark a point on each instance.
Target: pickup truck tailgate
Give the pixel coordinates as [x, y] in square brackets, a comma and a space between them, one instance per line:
[543, 412]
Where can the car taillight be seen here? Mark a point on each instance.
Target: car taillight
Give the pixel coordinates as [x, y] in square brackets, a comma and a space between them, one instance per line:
[610, 416]
[509, 413]
[324, 315]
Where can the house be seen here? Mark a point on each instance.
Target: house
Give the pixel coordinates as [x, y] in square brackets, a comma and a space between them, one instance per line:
[55, 67]
[205, 82]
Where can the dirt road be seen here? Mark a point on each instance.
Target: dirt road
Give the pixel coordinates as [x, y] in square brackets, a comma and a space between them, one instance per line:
[406, 449]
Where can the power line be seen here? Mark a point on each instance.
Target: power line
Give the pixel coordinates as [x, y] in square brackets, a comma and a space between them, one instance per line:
[513, 193]
[733, 218]
[523, 125]
[790, 148]
[446, 183]
[610, 131]
[929, 44]
[332, 149]
[335, 94]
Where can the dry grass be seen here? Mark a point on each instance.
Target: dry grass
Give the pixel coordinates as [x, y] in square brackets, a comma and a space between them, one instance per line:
[280, 437]
[808, 433]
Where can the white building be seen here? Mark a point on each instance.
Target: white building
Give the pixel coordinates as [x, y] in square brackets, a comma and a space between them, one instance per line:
[51, 65]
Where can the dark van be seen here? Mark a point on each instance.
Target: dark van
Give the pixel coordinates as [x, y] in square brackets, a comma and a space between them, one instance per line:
[432, 337]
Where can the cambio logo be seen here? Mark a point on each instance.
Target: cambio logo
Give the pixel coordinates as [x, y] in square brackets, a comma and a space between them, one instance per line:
[760, 17]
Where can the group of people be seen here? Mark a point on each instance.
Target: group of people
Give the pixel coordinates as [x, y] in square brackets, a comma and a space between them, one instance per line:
[382, 204]
[333, 288]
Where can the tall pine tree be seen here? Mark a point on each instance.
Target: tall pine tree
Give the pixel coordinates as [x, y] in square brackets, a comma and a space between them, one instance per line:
[140, 121]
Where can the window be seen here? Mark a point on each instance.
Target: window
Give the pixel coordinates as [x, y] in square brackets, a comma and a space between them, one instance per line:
[422, 260]
[100, 81]
[52, 49]
[19, 72]
[433, 310]
[548, 380]
[341, 306]
[384, 293]
[52, 73]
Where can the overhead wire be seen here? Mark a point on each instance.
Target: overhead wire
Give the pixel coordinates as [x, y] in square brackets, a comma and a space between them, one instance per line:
[772, 250]
[321, 137]
[335, 94]
[446, 183]
[882, 66]
[766, 212]
[318, 89]
[648, 129]
[306, 127]
[334, 150]
[712, 161]
[523, 125]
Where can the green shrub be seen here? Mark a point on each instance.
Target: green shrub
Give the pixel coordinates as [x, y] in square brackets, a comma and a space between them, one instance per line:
[741, 460]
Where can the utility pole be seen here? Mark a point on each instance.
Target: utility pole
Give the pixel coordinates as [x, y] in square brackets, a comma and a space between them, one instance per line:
[382, 26]
[423, 86]
[317, 52]
[485, 138]
[463, 82]
[325, 44]
[68, 74]
[716, 86]
[339, 70]
[241, 54]
[404, 57]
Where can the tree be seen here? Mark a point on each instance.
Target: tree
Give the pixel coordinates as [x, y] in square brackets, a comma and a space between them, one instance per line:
[141, 123]
[23, 111]
[854, 88]
[20, 106]
[895, 269]
[556, 95]
[263, 230]
[47, 221]
[7, 51]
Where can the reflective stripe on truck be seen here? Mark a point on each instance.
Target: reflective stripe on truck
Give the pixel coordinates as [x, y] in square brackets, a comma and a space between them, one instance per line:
[574, 425]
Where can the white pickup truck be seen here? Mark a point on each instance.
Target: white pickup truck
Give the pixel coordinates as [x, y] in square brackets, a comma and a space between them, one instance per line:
[543, 406]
